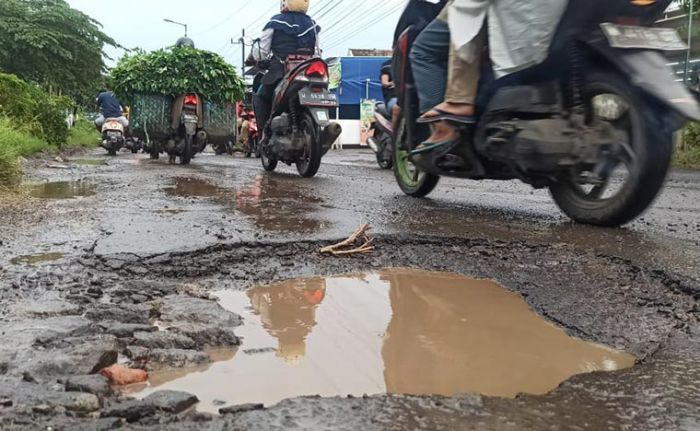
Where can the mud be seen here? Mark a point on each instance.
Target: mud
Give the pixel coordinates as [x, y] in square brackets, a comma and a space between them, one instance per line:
[33, 259]
[136, 287]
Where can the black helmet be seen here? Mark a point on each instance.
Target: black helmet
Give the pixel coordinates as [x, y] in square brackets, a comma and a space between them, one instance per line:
[184, 41]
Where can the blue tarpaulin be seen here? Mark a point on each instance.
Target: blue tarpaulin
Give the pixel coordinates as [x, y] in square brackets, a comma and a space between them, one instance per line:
[355, 72]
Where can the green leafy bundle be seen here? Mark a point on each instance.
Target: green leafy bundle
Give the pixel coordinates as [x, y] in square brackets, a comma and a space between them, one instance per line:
[172, 72]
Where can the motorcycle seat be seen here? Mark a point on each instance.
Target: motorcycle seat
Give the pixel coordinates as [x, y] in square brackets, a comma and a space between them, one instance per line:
[380, 108]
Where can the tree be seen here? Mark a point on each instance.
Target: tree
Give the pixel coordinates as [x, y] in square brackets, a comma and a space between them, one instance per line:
[48, 42]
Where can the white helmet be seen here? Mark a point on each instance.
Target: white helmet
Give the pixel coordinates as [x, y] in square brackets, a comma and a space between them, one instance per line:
[294, 6]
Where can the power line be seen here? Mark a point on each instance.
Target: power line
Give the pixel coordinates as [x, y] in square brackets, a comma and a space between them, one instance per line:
[336, 28]
[342, 38]
[224, 21]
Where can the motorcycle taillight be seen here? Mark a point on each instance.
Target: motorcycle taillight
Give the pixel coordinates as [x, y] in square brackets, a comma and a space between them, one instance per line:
[191, 99]
[316, 69]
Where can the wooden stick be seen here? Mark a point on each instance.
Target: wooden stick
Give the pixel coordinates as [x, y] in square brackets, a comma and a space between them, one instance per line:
[349, 241]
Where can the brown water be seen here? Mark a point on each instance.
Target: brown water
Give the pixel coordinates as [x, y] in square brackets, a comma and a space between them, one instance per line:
[62, 190]
[33, 259]
[396, 331]
[270, 205]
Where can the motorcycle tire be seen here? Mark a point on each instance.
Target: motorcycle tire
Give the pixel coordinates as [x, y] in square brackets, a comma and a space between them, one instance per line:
[651, 145]
[154, 151]
[310, 162]
[186, 155]
[412, 181]
[385, 158]
[268, 163]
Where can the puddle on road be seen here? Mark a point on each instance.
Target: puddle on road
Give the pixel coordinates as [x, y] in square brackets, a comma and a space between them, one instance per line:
[33, 259]
[270, 204]
[62, 190]
[396, 331]
[89, 162]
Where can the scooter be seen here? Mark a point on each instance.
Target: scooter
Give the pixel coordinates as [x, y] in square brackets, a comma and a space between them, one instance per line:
[189, 137]
[593, 123]
[381, 141]
[112, 136]
[299, 130]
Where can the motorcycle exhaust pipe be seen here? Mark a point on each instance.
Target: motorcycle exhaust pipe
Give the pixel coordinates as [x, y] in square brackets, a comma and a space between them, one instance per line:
[330, 134]
[373, 144]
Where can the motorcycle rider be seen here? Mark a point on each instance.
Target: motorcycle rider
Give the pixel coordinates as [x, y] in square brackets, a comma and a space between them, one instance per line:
[109, 107]
[292, 32]
[451, 47]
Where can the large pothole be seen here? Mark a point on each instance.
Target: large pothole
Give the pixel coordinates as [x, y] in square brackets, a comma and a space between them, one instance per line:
[392, 331]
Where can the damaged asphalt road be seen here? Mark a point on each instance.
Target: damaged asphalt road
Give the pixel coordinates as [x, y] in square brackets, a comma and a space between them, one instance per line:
[125, 275]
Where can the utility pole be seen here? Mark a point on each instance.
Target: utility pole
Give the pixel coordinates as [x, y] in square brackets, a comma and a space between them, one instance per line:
[242, 42]
[690, 42]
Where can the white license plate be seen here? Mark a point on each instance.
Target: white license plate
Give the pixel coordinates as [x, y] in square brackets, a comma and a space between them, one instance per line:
[634, 37]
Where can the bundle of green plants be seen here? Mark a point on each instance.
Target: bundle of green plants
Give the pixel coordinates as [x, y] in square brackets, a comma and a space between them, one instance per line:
[174, 71]
[83, 134]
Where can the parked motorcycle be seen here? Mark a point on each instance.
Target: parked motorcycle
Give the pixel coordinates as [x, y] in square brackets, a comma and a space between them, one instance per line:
[189, 136]
[112, 136]
[593, 123]
[381, 141]
[134, 145]
[299, 130]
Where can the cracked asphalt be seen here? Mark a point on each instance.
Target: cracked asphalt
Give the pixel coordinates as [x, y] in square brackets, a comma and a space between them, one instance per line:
[82, 278]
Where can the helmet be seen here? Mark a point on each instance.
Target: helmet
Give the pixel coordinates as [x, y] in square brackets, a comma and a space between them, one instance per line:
[294, 6]
[184, 41]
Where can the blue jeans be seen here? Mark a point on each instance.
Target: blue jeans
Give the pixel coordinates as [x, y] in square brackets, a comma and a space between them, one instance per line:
[430, 57]
[391, 103]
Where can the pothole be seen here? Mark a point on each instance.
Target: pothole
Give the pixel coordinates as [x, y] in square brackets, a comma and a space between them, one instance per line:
[62, 189]
[33, 259]
[394, 331]
[89, 162]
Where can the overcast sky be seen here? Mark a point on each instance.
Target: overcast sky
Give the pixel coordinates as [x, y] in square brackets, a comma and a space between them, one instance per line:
[212, 23]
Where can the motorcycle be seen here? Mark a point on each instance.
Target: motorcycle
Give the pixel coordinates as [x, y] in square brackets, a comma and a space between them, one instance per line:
[593, 123]
[134, 145]
[112, 136]
[189, 137]
[381, 141]
[299, 130]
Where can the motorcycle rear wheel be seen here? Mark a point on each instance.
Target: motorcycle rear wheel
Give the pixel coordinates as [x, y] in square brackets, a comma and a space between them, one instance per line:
[646, 156]
[186, 155]
[310, 162]
[410, 179]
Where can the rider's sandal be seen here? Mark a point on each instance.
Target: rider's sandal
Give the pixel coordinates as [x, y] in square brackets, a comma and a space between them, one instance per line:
[426, 147]
[446, 116]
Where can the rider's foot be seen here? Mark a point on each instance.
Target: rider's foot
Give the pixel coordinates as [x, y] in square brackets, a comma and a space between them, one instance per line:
[443, 132]
[456, 109]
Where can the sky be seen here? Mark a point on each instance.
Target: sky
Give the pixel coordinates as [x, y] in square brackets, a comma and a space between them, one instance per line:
[213, 23]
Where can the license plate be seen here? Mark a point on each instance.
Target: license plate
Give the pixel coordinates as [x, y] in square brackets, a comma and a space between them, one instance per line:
[114, 125]
[322, 98]
[633, 37]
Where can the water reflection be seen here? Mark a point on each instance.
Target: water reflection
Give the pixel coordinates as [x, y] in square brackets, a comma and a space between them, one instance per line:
[270, 205]
[397, 331]
[62, 190]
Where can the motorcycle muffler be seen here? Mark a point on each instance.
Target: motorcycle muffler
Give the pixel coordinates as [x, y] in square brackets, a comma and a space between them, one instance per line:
[329, 135]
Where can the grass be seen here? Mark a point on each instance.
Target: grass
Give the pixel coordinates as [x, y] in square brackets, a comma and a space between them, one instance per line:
[16, 142]
[687, 158]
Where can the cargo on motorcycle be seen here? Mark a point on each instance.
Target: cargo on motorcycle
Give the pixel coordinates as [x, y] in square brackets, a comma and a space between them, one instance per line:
[182, 110]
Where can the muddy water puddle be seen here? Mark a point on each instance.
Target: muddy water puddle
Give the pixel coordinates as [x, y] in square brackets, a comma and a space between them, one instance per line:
[35, 259]
[270, 204]
[62, 189]
[395, 331]
[89, 162]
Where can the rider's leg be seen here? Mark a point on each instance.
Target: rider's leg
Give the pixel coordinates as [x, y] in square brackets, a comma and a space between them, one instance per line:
[262, 103]
[99, 122]
[429, 62]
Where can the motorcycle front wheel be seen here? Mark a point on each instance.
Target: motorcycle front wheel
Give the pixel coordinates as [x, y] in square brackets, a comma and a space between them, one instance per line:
[635, 171]
[410, 179]
[186, 155]
[268, 163]
[310, 162]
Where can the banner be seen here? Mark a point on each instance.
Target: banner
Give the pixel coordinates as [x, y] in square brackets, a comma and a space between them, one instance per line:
[335, 72]
[366, 118]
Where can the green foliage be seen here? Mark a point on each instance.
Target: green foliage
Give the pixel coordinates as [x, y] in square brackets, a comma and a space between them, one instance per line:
[688, 156]
[83, 135]
[15, 142]
[49, 43]
[172, 72]
[34, 110]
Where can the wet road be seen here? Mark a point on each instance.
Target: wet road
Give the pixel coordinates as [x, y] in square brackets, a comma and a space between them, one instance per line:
[101, 246]
[146, 207]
